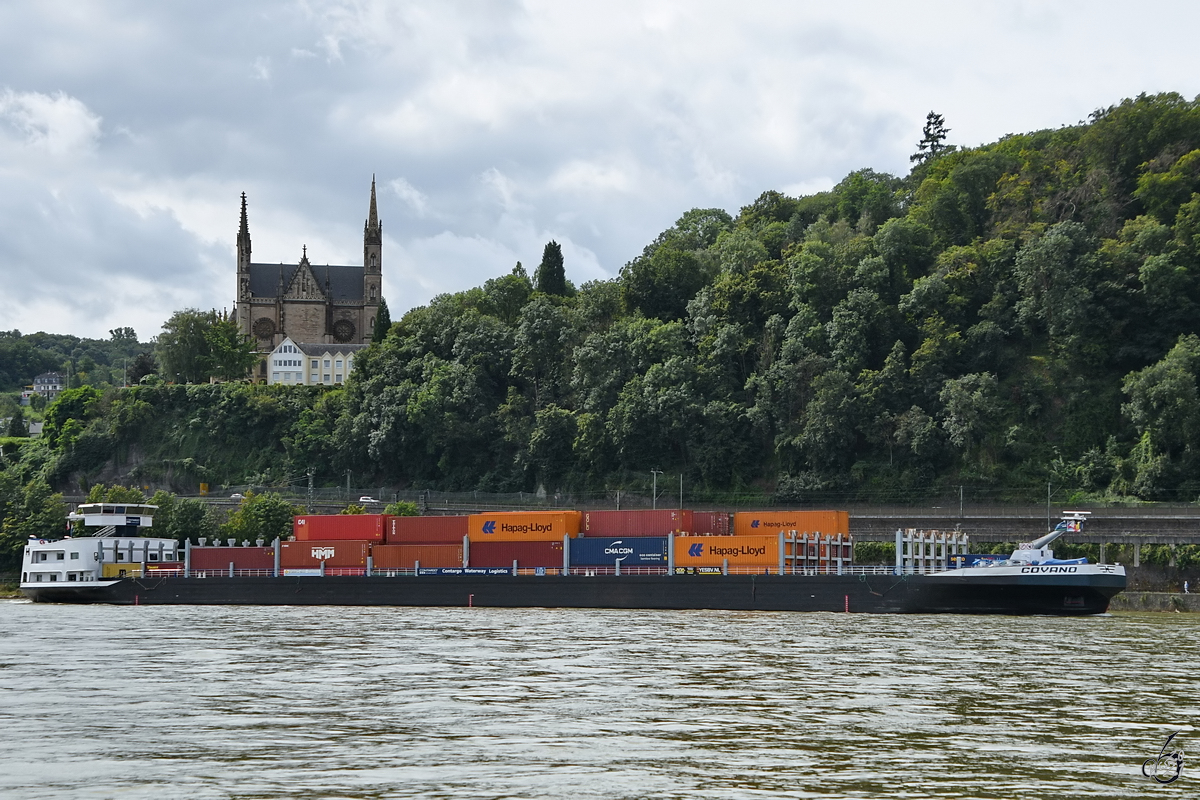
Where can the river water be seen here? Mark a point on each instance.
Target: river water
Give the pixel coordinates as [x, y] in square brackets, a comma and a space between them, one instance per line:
[190, 702]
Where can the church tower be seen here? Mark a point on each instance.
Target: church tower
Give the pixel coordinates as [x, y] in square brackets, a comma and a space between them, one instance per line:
[372, 262]
[243, 272]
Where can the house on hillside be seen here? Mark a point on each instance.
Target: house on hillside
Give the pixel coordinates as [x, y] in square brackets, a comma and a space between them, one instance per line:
[50, 384]
[311, 364]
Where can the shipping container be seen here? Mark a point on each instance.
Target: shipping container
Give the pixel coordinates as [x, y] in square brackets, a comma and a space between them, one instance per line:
[741, 551]
[242, 557]
[524, 526]
[334, 552]
[757, 523]
[634, 551]
[711, 523]
[636, 523]
[528, 555]
[427, 530]
[404, 556]
[326, 527]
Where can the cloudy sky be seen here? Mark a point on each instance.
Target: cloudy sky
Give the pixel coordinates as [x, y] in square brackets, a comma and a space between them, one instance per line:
[128, 130]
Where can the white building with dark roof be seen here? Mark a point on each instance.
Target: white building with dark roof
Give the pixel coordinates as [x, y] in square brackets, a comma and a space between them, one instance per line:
[306, 302]
[308, 364]
[50, 384]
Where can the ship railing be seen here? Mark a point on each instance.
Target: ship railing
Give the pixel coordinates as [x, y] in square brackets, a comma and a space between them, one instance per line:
[582, 571]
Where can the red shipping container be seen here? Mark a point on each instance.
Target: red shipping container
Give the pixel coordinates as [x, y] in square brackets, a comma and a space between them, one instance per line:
[404, 556]
[636, 523]
[335, 553]
[527, 554]
[427, 530]
[325, 527]
[242, 557]
[710, 523]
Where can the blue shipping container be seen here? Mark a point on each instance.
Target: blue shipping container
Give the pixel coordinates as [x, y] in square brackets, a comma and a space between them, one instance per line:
[634, 551]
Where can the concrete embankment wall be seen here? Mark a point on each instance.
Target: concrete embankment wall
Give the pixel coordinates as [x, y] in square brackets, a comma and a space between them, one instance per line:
[1155, 601]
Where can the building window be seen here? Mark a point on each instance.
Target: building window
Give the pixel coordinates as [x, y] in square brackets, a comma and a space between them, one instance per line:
[338, 364]
[326, 378]
[327, 363]
[274, 377]
[313, 378]
[313, 365]
[337, 378]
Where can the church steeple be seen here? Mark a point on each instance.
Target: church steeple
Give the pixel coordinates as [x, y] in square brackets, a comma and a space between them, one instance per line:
[373, 230]
[243, 239]
[372, 256]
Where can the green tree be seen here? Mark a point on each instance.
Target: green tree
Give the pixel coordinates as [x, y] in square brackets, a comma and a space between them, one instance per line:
[551, 277]
[260, 516]
[231, 355]
[37, 512]
[933, 138]
[383, 322]
[183, 346]
[402, 508]
[17, 426]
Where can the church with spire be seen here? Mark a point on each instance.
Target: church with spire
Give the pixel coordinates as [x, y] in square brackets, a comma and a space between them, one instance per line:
[305, 302]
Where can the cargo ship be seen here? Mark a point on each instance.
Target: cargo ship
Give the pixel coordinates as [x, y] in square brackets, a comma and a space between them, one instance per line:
[760, 561]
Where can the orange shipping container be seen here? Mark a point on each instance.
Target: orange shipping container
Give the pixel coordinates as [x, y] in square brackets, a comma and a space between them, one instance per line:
[524, 526]
[335, 553]
[757, 523]
[711, 551]
[404, 556]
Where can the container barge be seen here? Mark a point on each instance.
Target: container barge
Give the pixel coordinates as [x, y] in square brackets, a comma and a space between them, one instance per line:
[802, 572]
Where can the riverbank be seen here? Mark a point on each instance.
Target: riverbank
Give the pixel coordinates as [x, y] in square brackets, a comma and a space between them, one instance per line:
[1155, 601]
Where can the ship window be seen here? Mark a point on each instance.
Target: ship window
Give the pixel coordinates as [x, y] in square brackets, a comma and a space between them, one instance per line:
[74, 556]
[59, 556]
[53, 577]
[154, 556]
[120, 556]
[120, 510]
[70, 576]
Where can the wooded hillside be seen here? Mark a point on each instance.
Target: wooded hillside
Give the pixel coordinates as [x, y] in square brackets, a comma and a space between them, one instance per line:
[1001, 317]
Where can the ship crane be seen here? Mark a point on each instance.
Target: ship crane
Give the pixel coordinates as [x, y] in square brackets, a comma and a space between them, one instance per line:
[1039, 552]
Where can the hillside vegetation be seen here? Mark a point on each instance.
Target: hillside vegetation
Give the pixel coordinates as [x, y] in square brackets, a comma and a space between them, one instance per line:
[1002, 317]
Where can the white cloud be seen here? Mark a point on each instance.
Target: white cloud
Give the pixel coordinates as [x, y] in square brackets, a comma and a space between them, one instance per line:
[411, 196]
[56, 124]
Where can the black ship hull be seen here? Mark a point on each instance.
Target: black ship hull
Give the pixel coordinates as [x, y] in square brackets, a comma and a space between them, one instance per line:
[945, 592]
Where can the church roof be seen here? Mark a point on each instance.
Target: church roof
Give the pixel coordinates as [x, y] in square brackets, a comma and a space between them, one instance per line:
[345, 283]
